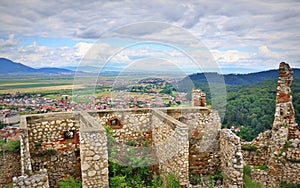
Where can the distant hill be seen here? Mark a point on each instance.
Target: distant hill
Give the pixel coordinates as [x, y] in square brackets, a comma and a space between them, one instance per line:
[240, 79]
[52, 70]
[9, 67]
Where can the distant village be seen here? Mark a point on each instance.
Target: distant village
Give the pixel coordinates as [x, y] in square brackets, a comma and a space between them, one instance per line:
[14, 105]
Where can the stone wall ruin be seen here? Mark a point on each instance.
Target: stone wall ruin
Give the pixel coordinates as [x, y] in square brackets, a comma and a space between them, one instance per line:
[279, 148]
[183, 141]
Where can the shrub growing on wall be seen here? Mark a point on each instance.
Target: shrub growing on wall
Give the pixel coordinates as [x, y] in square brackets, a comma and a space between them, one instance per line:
[135, 174]
[10, 146]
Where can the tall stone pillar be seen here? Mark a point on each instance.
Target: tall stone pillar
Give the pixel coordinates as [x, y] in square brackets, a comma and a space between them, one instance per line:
[284, 125]
[284, 107]
[24, 145]
[93, 153]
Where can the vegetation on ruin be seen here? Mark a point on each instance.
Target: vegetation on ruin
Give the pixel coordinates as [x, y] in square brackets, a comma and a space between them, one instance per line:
[69, 182]
[10, 185]
[261, 167]
[136, 173]
[292, 160]
[247, 170]
[2, 125]
[47, 152]
[249, 147]
[288, 185]
[217, 176]
[248, 183]
[10, 146]
[194, 179]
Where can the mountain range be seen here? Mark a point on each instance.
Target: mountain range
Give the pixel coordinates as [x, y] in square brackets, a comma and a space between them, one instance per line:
[9, 67]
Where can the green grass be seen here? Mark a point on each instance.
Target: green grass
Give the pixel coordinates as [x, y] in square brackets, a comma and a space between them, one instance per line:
[247, 170]
[10, 146]
[288, 185]
[10, 185]
[32, 85]
[262, 167]
[248, 183]
[249, 147]
[69, 182]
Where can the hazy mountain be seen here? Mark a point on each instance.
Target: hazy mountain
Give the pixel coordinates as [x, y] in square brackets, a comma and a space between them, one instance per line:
[54, 70]
[9, 67]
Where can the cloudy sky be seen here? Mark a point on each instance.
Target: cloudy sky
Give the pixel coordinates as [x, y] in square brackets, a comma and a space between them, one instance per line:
[241, 35]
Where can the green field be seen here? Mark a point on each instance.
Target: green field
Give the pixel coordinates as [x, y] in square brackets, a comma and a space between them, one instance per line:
[35, 84]
[19, 86]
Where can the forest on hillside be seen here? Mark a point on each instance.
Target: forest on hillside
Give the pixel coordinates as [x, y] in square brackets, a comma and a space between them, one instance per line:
[251, 106]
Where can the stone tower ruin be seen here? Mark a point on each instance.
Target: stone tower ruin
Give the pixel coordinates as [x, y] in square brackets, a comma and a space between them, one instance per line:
[278, 149]
[198, 97]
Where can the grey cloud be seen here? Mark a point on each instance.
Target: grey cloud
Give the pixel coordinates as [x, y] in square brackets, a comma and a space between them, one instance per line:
[287, 14]
[219, 23]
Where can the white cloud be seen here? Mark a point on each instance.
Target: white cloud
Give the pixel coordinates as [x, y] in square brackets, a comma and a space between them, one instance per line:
[82, 48]
[231, 24]
[230, 56]
[8, 42]
[265, 52]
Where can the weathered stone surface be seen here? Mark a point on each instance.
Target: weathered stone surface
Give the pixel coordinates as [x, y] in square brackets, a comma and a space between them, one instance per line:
[10, 166]
[160, 127]
[198, 97]
[40, 179]
[231, 157]
[278, 149]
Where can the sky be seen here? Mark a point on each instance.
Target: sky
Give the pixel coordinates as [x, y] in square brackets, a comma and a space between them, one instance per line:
[241, 35]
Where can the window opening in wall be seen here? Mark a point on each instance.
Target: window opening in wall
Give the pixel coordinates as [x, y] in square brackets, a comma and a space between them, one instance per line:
[69, 134]
[182, 119]
[115, 123]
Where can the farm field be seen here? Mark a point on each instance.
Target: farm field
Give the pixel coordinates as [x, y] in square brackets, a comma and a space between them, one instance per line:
[34, 84]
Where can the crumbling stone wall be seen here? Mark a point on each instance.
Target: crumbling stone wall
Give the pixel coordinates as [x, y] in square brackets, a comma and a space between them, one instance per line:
[231, 159]
[182, 140]
[284, 160]
[204, 142]
[38, 180]
[10, 166]
[284, 125]
[198, 97]
[259, 152]
[130, 125]
[279, 170]
[203, 125]
[170, 138]
[279, 148]
[53, 142]
[163, 133]
[93, 153]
